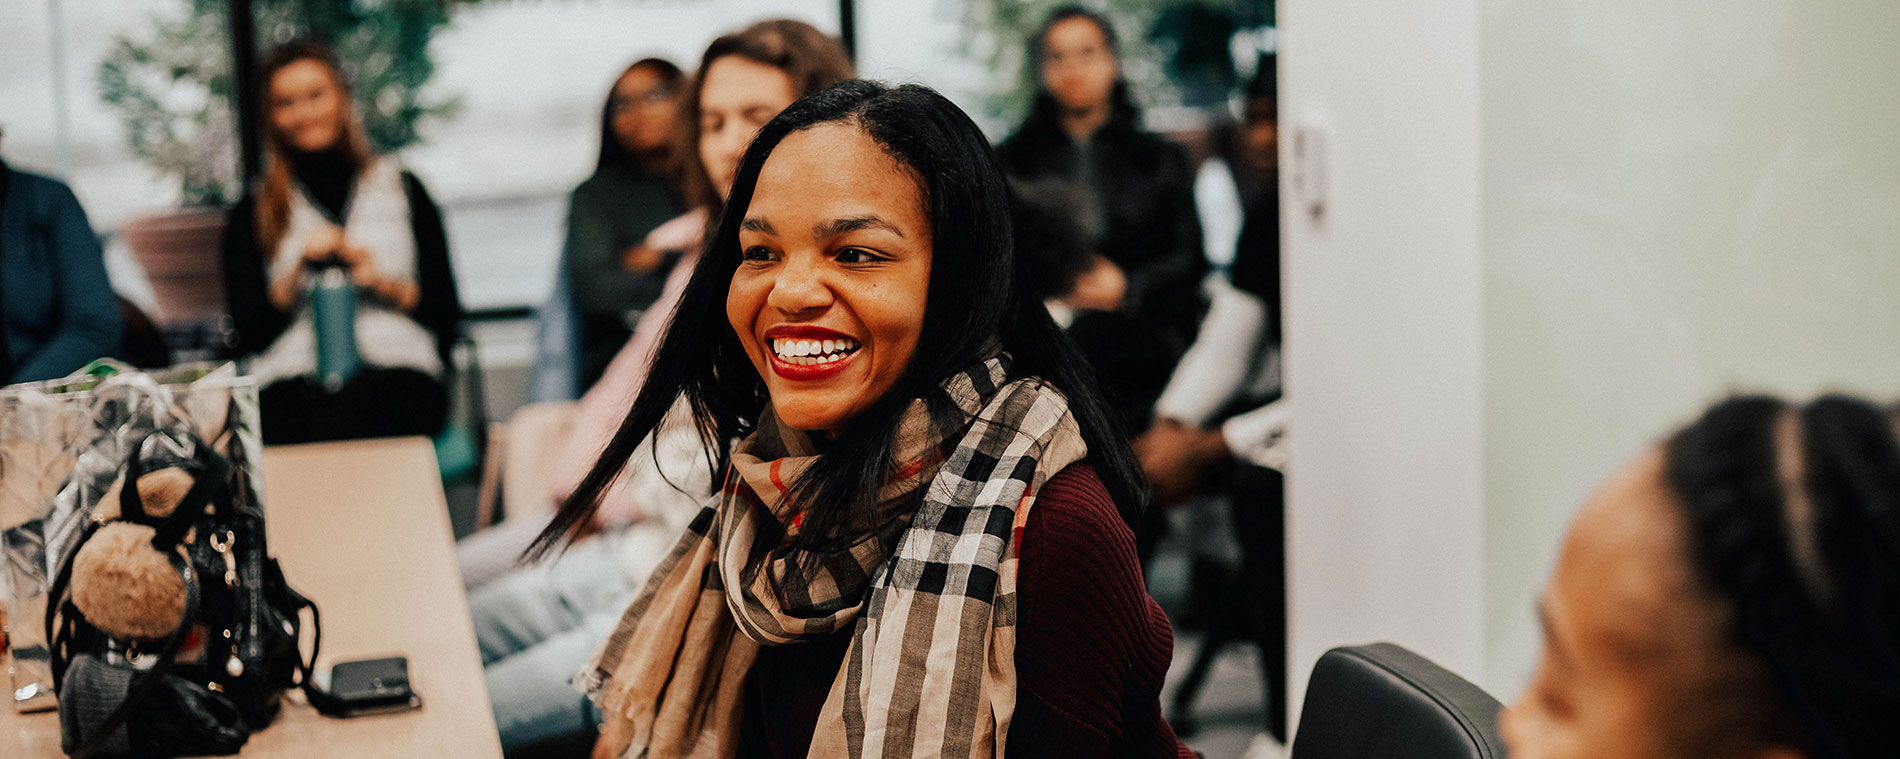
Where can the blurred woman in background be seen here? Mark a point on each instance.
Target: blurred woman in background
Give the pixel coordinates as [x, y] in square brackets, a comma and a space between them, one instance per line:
[327, 200]
[745, 78]
[636, 186]
[536, 625]
[1733, 593]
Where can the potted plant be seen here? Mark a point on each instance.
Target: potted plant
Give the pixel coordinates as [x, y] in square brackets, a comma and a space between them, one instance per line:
[173, 90]
[173, 93]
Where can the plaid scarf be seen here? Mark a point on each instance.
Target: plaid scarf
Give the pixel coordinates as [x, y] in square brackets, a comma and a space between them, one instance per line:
[931, 665]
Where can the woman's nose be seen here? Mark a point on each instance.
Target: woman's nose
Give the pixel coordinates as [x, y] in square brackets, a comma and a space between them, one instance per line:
[799, 287]
[732, 141]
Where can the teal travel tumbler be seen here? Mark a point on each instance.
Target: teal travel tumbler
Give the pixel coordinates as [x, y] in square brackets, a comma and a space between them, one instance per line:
[333, 314]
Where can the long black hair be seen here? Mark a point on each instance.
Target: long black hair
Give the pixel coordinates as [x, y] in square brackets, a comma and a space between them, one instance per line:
[1794, 522]
[973, 309]
[614, 154]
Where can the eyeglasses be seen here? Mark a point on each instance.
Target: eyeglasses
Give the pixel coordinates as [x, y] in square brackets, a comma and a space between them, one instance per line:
[655, 96]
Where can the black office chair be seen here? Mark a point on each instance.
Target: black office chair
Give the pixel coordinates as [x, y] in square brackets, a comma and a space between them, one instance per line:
[1381, 701]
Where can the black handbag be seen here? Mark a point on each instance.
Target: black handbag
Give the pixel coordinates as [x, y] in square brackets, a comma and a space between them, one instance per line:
[220, 675]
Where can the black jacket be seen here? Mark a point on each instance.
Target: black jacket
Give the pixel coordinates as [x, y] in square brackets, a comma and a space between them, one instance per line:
[1256, 266]
[57, 310]
[1149, 226]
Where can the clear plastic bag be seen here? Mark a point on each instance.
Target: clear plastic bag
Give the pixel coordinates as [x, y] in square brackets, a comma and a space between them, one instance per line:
[62, 443]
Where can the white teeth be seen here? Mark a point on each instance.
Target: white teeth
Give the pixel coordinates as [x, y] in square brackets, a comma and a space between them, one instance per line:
[806, 352]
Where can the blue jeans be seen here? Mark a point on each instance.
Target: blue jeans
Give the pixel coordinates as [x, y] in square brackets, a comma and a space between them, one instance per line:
[537, 626]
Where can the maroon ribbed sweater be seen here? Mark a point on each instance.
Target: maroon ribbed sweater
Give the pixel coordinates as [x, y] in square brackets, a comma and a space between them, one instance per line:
[1092, 647]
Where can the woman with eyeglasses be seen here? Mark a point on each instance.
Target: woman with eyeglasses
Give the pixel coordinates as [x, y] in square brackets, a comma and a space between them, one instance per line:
[635, 188]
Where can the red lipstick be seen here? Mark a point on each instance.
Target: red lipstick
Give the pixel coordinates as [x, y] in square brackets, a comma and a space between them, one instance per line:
[807, 372]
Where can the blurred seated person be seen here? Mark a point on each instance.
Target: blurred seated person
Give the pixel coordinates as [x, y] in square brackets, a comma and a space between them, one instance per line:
[536, 625]
[1221, 427]
[1732, 593]
[1216, 405]
[1138, 211]
[746, 78]
[1222, 412]
[326, 199]
[57, 311]
[634, 188]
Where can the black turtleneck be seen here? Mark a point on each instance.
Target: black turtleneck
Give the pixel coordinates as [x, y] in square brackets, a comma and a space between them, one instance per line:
[326, 177]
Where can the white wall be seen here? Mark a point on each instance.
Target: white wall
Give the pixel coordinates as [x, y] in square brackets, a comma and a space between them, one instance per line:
[1385, 530]
[1681, 199]
[925, 41]
[1555, 230]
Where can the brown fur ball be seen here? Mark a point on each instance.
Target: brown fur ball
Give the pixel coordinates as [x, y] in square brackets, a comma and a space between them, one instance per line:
[159, 493]
[124, 586]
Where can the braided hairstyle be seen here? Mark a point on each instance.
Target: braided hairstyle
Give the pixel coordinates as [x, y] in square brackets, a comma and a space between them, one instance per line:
[1793, 518]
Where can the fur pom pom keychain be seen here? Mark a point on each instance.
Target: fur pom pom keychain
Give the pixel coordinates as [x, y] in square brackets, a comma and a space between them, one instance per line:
[123, 580]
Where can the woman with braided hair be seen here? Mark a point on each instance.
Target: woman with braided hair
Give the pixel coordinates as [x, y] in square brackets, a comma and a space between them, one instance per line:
[1734, 592]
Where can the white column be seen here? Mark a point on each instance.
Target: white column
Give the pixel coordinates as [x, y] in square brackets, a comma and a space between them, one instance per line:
[1384, 328]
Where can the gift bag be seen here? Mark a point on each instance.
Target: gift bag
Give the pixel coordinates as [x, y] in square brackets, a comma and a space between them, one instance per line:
[63, 443]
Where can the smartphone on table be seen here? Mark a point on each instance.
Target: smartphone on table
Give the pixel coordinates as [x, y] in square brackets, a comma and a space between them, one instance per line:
[373, 686]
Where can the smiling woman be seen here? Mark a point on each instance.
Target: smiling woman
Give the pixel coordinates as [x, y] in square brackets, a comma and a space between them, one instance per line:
[830, 310]
[922, 546]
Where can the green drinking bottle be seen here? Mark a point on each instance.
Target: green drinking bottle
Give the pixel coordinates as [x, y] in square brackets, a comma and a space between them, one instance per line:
[333, 314]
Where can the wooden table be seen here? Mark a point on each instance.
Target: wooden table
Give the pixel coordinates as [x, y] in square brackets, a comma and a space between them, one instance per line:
[362, 528]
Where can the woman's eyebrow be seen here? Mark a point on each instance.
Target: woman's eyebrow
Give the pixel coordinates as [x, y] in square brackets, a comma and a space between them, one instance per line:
[835, 227]
[758, 225]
